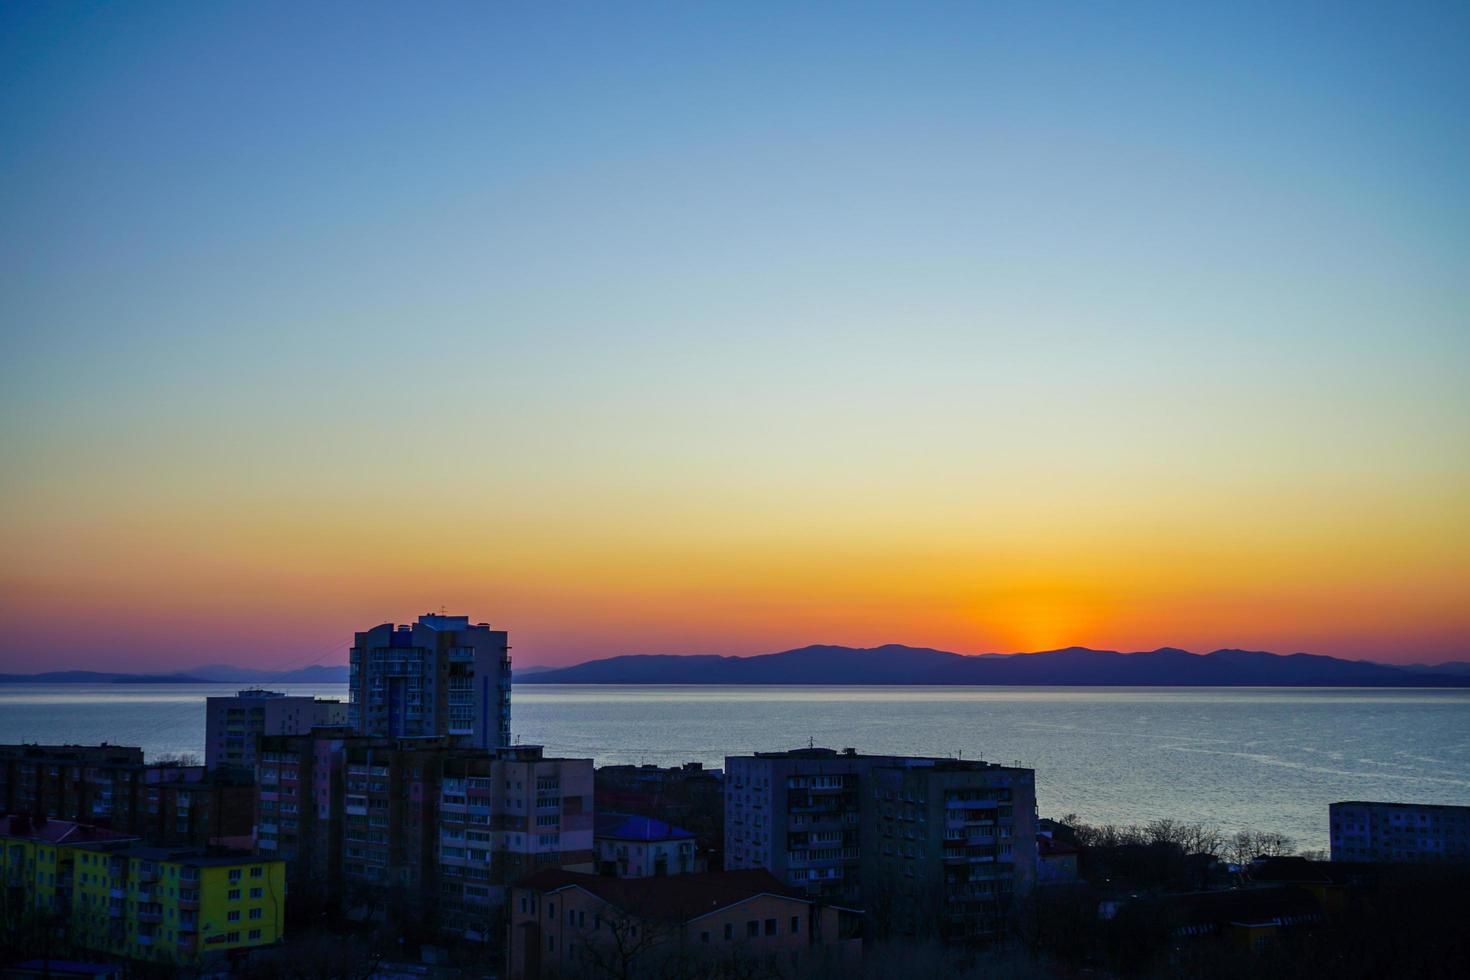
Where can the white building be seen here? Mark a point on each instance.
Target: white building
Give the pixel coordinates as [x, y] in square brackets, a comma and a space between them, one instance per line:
[630, 846]
[232, 725]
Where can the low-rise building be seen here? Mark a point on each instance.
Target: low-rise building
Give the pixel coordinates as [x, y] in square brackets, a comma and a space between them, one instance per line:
[563, 923]
[1056, 861]
[1399, 832]
[630, 846]
[691, 796]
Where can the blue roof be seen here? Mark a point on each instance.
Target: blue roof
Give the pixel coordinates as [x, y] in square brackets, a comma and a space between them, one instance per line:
[627, 826]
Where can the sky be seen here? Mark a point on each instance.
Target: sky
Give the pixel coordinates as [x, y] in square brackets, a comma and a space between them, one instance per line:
[732, 327]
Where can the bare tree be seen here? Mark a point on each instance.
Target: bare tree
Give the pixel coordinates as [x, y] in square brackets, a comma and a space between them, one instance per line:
[624, 944]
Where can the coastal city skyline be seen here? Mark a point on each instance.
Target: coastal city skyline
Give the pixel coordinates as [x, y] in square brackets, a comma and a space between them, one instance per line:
[659, 329]
[734, 490]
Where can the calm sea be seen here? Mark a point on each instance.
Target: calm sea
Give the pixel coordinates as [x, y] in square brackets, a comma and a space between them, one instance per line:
[1268, 758]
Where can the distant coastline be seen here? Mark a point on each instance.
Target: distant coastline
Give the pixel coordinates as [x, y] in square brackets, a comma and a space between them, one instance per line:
[890, 665]
[898, 665]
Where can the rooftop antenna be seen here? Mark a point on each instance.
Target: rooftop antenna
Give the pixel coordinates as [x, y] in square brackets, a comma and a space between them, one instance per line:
[811, 743]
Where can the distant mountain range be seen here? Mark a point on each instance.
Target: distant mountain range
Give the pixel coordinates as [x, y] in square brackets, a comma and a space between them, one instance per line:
[895, 664]
[208, 674]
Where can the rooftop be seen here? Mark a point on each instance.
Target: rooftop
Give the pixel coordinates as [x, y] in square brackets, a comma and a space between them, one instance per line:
[1051, 847]
[47, 830]
[1404, 806]
[194, 857]
[628, 826]
[936, 763]
[677, 898]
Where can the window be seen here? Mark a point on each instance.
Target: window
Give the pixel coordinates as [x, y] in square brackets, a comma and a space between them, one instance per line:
[254, 933]
[233, 915]
[729, 930]
[234, 875]
[257, 872]
[551, 910]
[551, 944]
[256, 892]
[232, 937]
[753, 928]
[770, 927]
[795, 924]
[255, 913]
[704, 937]
[234, 895]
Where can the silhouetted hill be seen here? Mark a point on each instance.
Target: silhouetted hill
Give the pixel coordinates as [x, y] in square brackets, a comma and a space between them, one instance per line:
[894, 664]
[315, 674]
[97, 677]
[212, 674]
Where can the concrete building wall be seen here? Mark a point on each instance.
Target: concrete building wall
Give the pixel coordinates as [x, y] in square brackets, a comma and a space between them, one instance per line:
[569, 930]
[1399, 832]
[645, 859]
[881, 833]
[233, 726]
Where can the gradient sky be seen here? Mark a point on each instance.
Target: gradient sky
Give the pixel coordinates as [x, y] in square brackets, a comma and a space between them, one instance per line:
[733, 327]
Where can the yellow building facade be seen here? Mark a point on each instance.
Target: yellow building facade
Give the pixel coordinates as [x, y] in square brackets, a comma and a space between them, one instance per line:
[164, 905]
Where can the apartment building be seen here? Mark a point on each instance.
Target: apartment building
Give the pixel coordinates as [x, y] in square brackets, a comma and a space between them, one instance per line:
[799, 814]
[925, 845]
[299, 808]
[630, 846]
[948, 845]
[111, 786]
[174, 907]
[66, 781]
[1399, 832]
[438, 676]
[234, 725]
[567, 924]
[503, 816]
[420, 826]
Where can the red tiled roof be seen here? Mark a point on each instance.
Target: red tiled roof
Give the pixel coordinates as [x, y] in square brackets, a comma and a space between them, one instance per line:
[675, 898]
[53, 831]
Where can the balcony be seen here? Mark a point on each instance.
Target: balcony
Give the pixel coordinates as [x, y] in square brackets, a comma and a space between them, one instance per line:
[153, 913]
[189, 900]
